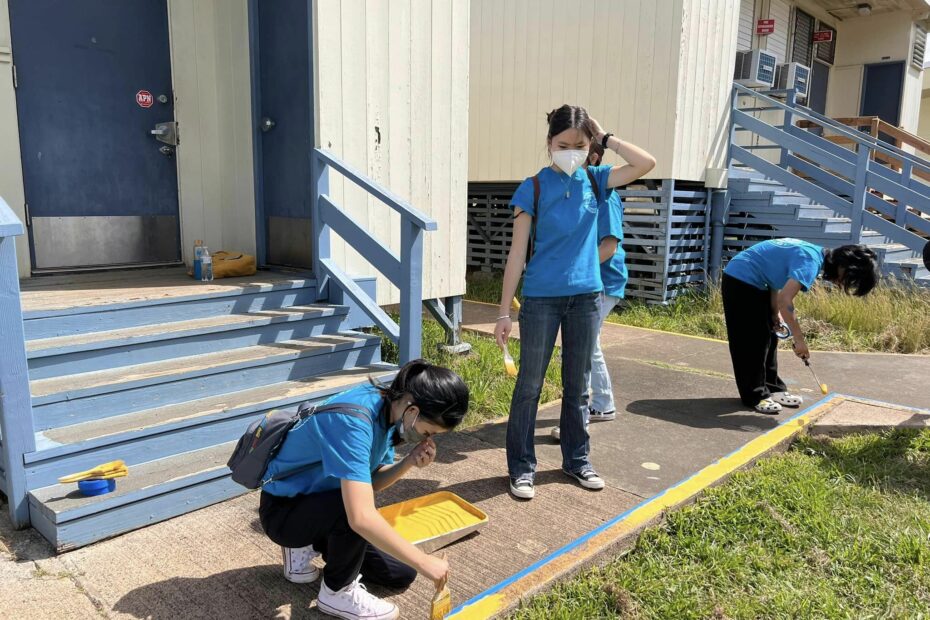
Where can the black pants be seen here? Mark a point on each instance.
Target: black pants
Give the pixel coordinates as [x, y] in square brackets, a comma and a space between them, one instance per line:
[753, 344]
[320, 520]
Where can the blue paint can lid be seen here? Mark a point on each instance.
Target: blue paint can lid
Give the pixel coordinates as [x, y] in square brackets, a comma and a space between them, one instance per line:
[96, 487]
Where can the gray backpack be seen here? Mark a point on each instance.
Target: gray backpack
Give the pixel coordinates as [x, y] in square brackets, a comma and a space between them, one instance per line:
[264, 437]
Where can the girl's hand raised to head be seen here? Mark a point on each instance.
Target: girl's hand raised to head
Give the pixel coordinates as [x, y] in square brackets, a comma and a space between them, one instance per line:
[502, 331]
[596, 129]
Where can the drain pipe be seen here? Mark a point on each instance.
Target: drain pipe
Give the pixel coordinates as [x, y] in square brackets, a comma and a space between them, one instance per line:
[719, 210]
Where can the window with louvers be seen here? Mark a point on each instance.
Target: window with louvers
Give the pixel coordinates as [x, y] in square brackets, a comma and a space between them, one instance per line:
[920, 47]
[826, 52]
[803, 47]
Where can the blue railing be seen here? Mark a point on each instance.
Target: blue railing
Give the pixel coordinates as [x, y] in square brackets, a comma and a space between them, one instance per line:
[16, 425]
[849, 181]
[404, 271]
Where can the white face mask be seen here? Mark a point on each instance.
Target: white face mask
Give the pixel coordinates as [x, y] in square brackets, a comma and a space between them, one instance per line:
[569, 161]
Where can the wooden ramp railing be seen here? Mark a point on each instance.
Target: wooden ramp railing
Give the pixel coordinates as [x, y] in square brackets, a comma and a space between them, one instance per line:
[880, 130]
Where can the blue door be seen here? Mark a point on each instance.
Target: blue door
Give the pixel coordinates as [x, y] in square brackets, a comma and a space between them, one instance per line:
[93, 82]
[882, 88]
[285, 101]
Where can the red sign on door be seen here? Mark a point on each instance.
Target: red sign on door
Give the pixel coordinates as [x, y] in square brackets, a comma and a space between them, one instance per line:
[145, 99]
[823, 36]
[765, 26]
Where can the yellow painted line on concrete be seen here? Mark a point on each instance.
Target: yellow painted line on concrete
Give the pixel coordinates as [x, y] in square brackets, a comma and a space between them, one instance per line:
[511, 590]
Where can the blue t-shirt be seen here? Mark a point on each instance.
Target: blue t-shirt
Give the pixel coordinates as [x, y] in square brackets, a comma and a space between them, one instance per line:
[564, 260]
[348, 447]
[610, 224]
[770, 264]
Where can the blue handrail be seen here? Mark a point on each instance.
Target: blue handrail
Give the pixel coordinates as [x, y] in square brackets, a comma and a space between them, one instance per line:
[840, 178]
[819, 119]
[404, 271]
[16, 422]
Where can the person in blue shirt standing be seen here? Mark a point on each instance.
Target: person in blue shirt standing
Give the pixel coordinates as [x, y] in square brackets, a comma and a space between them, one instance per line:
[759, 286]
[329, 510]
[558, 208]
[612, 258]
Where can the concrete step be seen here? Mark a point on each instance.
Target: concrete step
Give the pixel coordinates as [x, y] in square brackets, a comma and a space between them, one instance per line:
[161, 432]
[92, 351]
[71, 399]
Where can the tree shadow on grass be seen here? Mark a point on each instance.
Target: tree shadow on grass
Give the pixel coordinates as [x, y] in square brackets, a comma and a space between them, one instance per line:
[895, 460]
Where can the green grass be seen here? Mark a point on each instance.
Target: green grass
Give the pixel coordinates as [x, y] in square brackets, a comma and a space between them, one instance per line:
[482, 369]
[831, 529]
[891, 319]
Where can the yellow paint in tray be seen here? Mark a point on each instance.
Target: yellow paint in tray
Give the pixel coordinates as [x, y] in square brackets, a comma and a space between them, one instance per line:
[439, 517]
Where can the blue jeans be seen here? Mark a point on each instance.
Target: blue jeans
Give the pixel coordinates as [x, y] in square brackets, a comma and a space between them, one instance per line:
[598, 381]
[540, 320]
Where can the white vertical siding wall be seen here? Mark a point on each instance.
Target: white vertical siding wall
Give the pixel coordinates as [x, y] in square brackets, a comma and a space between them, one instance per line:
[777, 42]
[747, 24]
[11, 171]
[651, 71]
[617, 59]
[708, 50]
[210, 66]
[392, 101]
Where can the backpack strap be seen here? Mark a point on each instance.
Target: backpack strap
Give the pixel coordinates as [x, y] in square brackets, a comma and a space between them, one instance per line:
[304, 411]
[530, 245]
[597, 192]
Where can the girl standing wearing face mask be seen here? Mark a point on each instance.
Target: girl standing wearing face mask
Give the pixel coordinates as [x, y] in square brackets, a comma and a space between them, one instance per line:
[560, 288]
[329, 510]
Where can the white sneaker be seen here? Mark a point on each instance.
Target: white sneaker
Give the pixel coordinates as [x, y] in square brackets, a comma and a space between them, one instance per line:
[554, 433]
[787, 399]
[601, 416]
[354, 602]
[298, 566]
[523, 488]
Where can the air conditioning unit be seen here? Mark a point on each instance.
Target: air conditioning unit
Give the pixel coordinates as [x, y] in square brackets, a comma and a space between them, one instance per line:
[755, 68]
[794, 75]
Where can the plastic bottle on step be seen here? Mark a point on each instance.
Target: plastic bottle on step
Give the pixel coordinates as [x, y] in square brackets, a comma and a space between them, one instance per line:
[198, 252]
[206, 266]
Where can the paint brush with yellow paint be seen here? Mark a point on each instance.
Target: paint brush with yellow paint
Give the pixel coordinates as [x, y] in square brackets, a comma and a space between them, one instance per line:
[823, 386]
[442, 600]
[509, 364]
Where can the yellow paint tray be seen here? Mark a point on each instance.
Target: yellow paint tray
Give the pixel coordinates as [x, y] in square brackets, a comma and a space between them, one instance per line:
[435, 520]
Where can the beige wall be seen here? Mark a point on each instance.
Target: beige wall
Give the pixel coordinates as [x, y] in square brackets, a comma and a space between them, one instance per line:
[627, 62]
[398, 69]
[210, 54]
[11, 172]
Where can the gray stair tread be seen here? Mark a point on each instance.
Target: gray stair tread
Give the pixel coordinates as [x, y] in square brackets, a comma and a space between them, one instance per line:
[131, 335]
[245, 399]
[165, 369]
[63, 498]
[75, 291]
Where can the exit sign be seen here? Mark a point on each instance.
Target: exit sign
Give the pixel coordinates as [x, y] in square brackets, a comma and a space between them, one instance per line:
[765, 26]
[823, 36]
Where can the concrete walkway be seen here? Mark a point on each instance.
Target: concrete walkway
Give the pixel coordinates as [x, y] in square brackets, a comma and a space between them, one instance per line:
[677, 414]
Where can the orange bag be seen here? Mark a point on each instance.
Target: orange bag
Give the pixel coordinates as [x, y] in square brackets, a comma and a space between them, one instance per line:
[229, 265]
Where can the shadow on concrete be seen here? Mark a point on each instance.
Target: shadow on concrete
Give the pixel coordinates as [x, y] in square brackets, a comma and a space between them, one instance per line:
[705, 413]
[251, 592]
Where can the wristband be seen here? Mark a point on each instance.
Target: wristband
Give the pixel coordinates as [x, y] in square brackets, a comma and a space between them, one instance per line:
[605, 139]
[506, 316]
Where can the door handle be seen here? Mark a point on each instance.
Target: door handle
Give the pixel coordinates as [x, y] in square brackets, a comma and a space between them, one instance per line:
[166, 132]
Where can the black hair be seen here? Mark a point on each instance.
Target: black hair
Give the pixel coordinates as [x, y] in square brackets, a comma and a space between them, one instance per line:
[440, 394]
[927, 255]
[596, 149]
[859, 265]
[569, 117]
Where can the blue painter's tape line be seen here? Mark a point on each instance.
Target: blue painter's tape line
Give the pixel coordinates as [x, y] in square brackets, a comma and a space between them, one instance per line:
[608, 524]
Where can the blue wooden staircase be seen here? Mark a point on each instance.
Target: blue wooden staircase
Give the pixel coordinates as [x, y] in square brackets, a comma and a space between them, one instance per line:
[789, 181]
[168, 387]
[168, 383]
